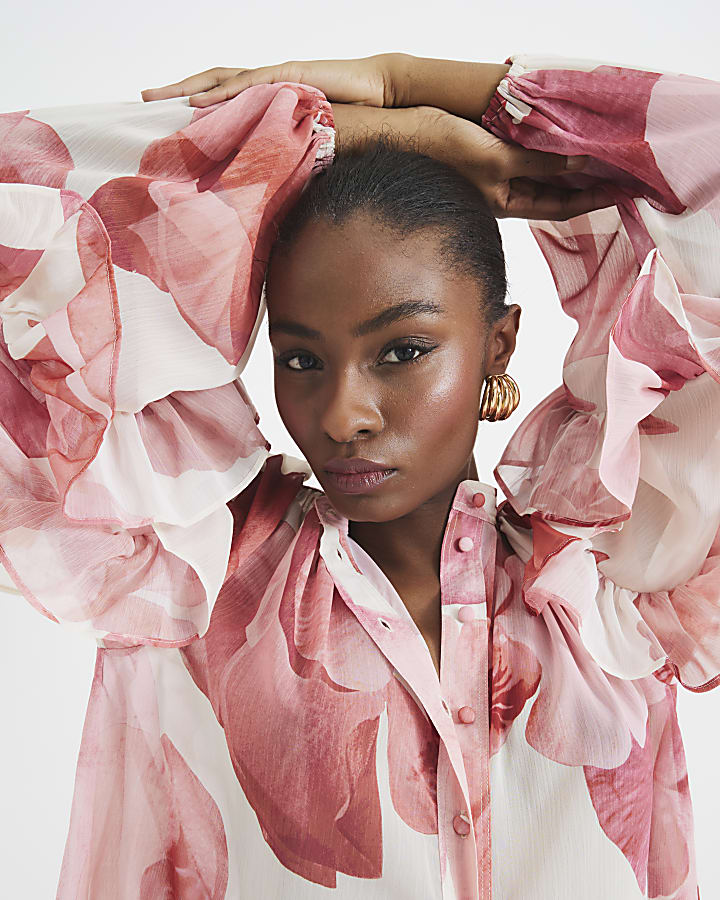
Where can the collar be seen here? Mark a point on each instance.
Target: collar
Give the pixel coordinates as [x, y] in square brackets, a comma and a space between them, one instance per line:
[462, 502]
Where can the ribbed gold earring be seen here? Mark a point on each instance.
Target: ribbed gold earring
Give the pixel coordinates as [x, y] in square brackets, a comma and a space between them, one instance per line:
[500, 397]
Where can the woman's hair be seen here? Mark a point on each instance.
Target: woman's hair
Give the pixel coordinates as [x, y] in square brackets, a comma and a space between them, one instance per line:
[409, 192]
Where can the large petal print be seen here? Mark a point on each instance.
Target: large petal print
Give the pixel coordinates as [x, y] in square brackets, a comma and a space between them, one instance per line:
[413, 745]
[191, 218]
[516, 674]
[194, 863]
[45, 159]
[133, 246]
[644, 806]
[141, 820]
[581, 714]
[311, 781]
[310, 778]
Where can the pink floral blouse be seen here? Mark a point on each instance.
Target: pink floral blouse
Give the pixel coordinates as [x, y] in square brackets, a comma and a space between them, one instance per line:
[265, 719]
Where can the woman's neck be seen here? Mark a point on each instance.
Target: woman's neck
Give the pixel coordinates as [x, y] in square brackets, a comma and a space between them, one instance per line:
[408, 549]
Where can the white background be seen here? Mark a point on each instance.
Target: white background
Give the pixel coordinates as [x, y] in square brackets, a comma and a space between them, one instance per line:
[82, 52]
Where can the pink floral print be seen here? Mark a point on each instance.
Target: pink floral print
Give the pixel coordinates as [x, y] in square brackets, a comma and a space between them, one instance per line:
[265, 718]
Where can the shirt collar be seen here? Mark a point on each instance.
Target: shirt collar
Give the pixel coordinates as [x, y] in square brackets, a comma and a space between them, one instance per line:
[462, 502]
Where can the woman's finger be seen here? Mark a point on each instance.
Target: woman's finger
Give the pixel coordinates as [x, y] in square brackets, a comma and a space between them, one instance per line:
[528, 199]
[226, 90]
[367, 80]
[240, 79]
[517, 162]
[217, 85]
[193, 84]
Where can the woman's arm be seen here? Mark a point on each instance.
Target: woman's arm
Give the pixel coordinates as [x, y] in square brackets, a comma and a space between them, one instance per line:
[509, 176]
[384, 80]
[363, 93]
[621, 462]
[126, 431]
[461, 88]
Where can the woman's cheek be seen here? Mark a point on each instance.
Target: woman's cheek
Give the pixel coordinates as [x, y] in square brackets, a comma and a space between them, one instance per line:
[293, 412]
[447, 396]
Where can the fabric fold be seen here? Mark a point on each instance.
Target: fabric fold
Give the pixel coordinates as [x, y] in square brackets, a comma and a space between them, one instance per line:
[133, 244]
[615, 474]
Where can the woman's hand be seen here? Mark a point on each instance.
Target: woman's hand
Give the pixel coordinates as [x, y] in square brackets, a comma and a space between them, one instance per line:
[367, 81]
[511, 179]
[362, 93]
[384, 80]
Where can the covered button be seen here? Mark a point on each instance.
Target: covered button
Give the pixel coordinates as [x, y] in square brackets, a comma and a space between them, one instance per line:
[461, 825]
[466, 714]
[465, 543]
[478, 499]
[466, 613]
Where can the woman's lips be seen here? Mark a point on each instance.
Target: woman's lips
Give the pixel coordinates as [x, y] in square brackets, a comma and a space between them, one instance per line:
[360, 482]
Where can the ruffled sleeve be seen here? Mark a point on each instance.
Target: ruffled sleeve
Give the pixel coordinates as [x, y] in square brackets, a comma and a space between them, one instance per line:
[133, 241]
[617, 472]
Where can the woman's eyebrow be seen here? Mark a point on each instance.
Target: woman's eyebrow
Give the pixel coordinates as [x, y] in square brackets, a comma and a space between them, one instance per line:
[403, 310]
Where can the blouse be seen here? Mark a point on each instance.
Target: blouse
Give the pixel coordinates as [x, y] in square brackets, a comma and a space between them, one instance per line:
[265, 719]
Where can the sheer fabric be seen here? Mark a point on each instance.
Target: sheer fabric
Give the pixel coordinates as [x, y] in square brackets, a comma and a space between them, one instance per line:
[265, 718]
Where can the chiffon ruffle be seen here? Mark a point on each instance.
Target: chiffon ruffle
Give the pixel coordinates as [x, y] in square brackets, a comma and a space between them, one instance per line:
[133, 241]
[615, 474]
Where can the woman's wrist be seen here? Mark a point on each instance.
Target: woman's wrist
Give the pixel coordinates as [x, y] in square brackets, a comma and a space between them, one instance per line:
[461, 88]
[356, 125]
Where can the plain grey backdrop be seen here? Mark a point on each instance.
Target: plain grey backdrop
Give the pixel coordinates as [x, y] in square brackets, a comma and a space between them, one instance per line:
[83, 52]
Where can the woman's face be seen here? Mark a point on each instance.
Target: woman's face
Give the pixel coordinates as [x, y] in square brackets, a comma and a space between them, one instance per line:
[344, 384]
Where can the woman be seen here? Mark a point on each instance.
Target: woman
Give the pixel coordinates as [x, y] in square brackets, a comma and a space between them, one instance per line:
[391, 687]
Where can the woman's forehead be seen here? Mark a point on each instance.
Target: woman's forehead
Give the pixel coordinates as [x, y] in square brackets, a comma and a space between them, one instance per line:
[361, 268]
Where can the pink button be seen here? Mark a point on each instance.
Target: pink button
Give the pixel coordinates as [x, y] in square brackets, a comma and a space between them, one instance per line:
[466, 614]
[466, 714]
[461, 825]
[478, 499]
[465, 543]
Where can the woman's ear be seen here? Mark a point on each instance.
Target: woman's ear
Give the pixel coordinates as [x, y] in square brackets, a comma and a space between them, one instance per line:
[501, 341]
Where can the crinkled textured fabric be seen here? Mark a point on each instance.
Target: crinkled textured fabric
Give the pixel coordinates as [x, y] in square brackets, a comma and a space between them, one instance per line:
[265, 719]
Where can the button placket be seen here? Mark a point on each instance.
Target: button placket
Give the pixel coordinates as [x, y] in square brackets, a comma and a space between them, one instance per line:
[466, 570]
[465, 577]
[461, 855]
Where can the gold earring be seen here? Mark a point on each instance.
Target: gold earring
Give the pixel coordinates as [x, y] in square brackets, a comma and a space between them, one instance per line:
[500, 397]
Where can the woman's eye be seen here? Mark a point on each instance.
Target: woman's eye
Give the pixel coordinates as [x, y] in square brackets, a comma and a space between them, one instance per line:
[403, 354]
[400, 351]
[300, 368]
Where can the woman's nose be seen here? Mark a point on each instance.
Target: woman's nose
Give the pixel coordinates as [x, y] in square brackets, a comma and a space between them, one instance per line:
[350, 407]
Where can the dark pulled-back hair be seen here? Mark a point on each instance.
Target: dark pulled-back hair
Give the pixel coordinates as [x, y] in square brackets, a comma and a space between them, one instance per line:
[409, 192]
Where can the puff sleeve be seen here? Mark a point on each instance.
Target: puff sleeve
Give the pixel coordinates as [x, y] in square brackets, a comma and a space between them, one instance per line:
[617, 472]
[133, 241]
